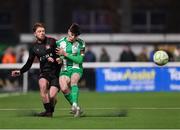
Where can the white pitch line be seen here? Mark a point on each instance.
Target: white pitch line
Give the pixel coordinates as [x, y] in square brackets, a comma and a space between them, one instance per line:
[64, 109]
[60, 109]
[154, 108]
[2, 95]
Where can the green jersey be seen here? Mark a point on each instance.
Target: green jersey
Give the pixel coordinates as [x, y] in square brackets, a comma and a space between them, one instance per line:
[73, 49]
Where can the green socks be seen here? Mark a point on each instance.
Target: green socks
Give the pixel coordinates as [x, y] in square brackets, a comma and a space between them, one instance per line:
[75, 93]
[68, 96]
[72, 97]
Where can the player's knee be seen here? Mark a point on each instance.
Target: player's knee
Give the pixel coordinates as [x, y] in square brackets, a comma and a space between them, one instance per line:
[74, 81]
[63, 83]
[53, 94]
[65, 90]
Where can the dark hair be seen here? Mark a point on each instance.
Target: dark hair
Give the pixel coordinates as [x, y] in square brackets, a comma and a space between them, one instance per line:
[36, 25]
[74, 28]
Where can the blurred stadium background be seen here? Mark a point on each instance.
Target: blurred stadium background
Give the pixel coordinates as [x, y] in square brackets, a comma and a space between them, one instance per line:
[121, 37]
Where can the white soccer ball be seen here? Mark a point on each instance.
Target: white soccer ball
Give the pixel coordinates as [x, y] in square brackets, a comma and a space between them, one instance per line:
[161, 58]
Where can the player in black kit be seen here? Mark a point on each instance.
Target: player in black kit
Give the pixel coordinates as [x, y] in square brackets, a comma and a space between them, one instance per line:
[44, 50]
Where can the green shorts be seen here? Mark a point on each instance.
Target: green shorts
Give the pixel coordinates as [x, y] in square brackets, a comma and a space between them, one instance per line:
[71, 71]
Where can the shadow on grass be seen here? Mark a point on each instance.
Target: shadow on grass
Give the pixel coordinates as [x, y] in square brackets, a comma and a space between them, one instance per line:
[116, 113]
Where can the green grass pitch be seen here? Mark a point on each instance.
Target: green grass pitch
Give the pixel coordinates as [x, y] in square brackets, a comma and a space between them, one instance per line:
[101, 111]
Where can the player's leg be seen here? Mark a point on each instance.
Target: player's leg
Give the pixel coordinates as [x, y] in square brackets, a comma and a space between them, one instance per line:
[53, 96]
[53, 91]
[64, 85]
[43, 86]
[75, 92]
[74, 87]
[75, 77]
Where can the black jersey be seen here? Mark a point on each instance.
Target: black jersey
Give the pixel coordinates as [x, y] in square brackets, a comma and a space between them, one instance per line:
[43, 51]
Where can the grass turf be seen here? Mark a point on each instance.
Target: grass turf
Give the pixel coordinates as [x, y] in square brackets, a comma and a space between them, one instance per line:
[101, 111]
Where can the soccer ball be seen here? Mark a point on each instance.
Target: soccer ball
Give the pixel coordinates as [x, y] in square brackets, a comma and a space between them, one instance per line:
[161, 58]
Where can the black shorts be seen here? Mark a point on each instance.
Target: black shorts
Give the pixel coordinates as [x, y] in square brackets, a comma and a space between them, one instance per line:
[52, 78]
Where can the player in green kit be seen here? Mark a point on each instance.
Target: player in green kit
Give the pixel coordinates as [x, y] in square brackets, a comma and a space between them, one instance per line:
[71, 51]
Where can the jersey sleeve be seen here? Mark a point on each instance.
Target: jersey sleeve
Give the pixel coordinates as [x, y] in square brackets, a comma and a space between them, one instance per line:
[29, 62]
[77, 59]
